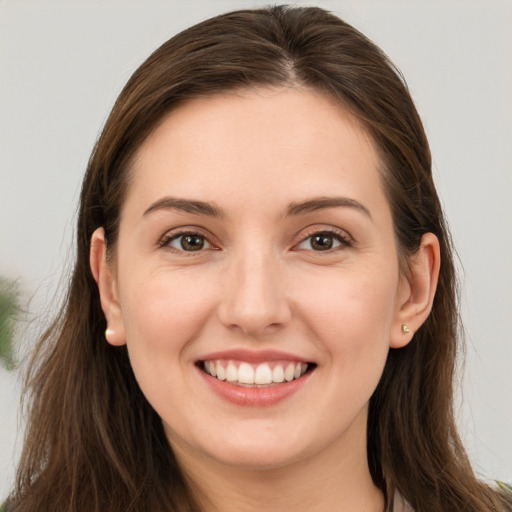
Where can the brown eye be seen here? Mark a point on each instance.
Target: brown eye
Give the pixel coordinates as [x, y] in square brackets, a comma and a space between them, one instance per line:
[324, 241]
[192, 242]
[188, 242]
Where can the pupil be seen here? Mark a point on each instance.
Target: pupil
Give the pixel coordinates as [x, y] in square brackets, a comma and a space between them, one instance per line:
[322, 242]
[192, 242]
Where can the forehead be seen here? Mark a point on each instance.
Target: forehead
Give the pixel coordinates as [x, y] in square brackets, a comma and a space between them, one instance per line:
[282, 143]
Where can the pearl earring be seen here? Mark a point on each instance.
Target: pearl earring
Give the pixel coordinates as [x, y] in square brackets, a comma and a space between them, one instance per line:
[108, 333]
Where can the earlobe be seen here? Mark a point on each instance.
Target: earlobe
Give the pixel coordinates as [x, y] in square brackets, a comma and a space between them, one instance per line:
[107, 286]
[417, 291]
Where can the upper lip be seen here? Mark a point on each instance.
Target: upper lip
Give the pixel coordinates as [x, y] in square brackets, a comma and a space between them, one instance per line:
[253, 356]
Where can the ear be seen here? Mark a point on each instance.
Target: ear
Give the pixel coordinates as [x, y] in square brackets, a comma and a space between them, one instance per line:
[106, 280]
[416, 291]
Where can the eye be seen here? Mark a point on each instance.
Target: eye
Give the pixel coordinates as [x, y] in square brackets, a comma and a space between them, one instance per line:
[188, 242]
[324, 241]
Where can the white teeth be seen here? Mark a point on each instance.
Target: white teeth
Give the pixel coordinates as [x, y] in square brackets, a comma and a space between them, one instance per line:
[263, 374]
[221, 373]
[278, 374]
[260, 375]
[245, 374]
[289, 372]
[231, 373]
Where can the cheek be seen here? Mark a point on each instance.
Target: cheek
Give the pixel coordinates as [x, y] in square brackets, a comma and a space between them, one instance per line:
[365, 291]
[351, 312]
[162, 316]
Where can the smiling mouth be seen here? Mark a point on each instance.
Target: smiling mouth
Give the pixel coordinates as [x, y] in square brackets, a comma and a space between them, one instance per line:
[241, 373]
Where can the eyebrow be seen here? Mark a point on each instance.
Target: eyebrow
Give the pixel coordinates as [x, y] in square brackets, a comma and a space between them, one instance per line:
[320, 203]
[185, 205]
[300, 208]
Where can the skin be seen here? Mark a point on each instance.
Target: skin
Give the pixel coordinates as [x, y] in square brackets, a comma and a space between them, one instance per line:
[260, 284]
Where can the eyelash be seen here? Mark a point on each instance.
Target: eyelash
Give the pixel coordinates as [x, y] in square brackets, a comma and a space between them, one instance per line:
[344, 240]
[167, 239]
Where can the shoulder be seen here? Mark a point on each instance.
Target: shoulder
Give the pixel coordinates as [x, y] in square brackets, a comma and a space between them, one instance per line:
[400, 504]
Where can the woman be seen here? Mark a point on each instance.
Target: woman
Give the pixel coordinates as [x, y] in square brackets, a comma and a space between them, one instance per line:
[262, 313]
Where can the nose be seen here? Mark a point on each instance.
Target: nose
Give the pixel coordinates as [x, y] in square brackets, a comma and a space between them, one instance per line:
[254, 299]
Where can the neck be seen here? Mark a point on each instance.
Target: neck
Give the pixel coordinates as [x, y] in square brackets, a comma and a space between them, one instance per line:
[333, 480]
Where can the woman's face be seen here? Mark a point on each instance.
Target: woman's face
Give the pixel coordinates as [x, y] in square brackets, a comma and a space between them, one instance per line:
[256, 280]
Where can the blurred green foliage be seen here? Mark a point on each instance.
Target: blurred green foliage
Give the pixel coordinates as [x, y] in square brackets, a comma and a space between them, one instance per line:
[9, 311]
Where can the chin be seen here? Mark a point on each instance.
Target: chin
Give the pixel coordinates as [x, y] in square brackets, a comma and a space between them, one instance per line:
[255, 444]
[257, 458]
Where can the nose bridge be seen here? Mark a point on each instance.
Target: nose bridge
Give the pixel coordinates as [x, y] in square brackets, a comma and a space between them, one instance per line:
[254, 299]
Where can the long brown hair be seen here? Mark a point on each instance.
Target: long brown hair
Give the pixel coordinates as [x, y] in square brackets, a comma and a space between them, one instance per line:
[93, 442]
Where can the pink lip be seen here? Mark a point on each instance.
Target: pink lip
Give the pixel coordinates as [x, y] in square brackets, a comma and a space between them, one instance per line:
[249, 396]
[254, 357]
[253, 397]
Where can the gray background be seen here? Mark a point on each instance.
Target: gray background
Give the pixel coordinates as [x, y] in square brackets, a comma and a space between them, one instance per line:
[62, 64]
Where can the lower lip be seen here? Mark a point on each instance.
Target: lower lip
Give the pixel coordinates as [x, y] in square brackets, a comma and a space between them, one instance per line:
[254, 397]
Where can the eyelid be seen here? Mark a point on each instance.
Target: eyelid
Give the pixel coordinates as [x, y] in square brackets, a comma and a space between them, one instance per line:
[175, 233]
[345, 239]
